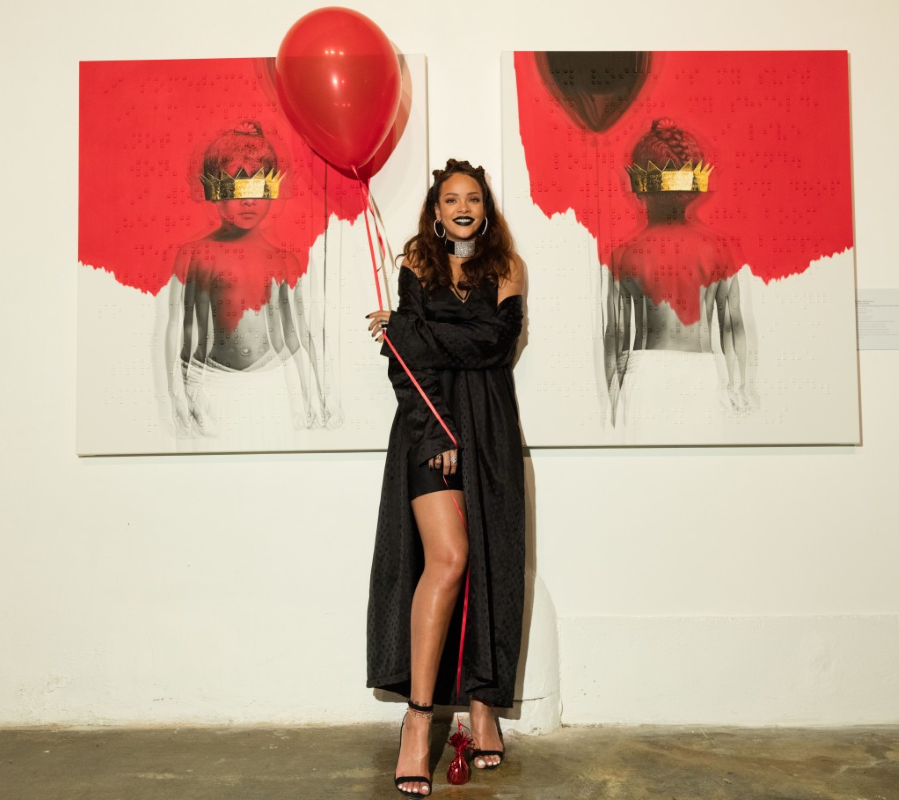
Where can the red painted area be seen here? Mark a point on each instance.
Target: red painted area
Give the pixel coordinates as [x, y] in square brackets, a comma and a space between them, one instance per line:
[669, 263]
[144, 126]
[775, 125]
[236, 275]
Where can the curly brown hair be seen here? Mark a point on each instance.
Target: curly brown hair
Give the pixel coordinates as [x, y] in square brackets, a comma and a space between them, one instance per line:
[494, 250]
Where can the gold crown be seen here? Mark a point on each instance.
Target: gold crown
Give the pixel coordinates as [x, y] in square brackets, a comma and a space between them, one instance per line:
[260, 186]
[669, 178]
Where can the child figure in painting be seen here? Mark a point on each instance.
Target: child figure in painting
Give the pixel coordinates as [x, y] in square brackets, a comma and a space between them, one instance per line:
[669, 281]
[230, 313]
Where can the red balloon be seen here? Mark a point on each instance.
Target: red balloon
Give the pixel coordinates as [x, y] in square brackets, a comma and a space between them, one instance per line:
[339, 81]
[379, 159]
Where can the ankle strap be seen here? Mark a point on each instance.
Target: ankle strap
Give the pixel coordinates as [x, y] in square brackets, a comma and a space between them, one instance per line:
[427, 710]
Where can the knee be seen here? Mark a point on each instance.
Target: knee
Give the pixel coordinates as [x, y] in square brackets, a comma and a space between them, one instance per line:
[449, 564]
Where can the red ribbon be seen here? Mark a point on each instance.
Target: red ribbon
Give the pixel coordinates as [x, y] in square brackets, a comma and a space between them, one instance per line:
[368, 208]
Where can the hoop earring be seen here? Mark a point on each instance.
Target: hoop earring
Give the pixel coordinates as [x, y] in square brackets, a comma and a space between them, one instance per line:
[436, 223]
[484, 229]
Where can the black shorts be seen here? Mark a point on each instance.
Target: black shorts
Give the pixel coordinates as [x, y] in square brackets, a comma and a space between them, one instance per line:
[424, 480]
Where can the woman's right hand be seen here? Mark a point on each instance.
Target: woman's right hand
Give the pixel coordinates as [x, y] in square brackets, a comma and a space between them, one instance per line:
[378, 324]
[446, 461]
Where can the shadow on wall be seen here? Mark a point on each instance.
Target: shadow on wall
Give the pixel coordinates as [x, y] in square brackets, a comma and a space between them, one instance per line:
[538, 699]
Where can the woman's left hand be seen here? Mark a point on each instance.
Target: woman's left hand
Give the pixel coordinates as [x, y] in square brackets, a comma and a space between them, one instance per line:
[445, 461]
[379, 320]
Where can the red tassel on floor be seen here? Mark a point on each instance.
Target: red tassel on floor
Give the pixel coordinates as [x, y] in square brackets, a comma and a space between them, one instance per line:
[458, 771]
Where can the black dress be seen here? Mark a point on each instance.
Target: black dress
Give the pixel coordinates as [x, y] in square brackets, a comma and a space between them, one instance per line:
[461, 354]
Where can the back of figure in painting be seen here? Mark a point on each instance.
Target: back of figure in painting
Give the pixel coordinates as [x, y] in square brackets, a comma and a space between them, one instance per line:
[673, 281]
[233, 320]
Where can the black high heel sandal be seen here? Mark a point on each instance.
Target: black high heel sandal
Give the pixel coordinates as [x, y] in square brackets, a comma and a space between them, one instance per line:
[476, 754]
[421, 711]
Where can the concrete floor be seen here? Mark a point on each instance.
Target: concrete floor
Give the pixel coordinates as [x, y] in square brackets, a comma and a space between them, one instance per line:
[358, 761]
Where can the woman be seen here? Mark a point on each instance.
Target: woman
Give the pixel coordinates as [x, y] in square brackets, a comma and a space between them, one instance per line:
[456, 328]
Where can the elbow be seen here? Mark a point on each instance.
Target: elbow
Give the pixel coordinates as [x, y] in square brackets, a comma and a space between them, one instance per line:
[293, 344]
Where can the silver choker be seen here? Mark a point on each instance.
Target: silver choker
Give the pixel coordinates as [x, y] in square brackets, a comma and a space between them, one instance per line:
[464, 249]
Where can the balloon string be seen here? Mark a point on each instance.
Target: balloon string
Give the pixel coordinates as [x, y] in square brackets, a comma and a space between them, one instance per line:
[464, 612]
[374, 264]
[383, 241]
[372, 209]
[379, 220]
[421, 392]
[321, 389]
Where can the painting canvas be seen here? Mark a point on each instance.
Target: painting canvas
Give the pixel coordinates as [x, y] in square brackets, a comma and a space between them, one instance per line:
[224, 267]
[686, 219]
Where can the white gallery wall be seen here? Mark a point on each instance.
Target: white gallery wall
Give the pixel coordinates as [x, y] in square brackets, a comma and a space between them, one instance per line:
[744, 586]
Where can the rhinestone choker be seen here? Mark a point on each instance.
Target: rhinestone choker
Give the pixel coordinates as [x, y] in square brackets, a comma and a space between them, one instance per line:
[461, 249]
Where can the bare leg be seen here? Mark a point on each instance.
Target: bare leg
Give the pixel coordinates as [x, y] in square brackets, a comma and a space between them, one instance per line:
[446, 557]
[485, 732]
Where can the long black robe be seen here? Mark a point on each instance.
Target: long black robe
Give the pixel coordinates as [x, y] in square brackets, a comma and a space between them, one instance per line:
[461, 354]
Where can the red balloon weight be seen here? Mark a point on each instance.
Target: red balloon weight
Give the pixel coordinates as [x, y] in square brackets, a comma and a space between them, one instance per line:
[338, 78]
[458, 772]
